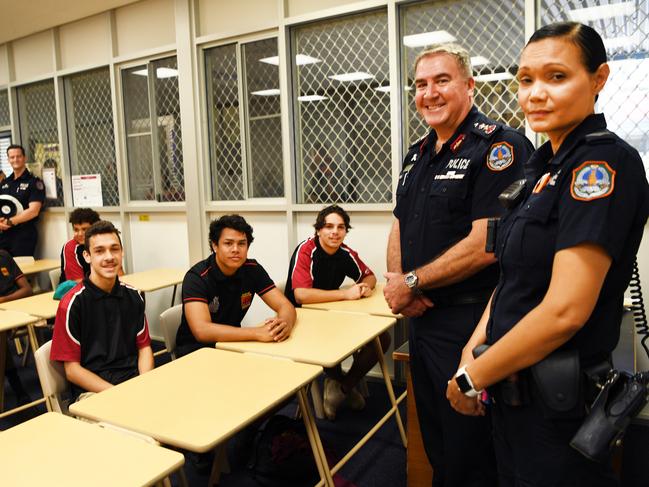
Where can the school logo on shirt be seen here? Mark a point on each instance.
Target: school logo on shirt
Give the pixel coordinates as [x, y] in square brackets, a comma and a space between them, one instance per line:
[214, 305]
[500, 156]
[592, 180]
[5, 271]
[246, 299]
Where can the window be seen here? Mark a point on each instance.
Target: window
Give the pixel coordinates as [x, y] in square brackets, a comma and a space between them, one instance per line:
[5, 122]
[5, 131]
[90, 129]
[342, 115]
[152, 126]
[493, 33]
[245, 138]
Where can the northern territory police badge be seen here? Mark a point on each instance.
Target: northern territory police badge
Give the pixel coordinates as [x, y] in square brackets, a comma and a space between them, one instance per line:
[500, 157]
[592, 180]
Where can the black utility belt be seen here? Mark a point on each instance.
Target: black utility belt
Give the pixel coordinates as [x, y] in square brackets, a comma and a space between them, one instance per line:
[459, 299]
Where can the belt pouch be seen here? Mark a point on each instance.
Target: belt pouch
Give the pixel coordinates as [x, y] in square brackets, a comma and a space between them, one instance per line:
[557, 377]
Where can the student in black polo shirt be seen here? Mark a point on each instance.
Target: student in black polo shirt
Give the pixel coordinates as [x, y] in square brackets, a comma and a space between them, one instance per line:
[318, 267]
[218, 291]
[101, 333]
[13, 285]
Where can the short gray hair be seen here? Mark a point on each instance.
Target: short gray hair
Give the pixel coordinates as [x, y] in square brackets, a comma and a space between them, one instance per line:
[460, 54]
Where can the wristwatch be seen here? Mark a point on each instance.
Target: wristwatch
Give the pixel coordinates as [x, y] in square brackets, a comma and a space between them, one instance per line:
[411, 280]
[465, 384]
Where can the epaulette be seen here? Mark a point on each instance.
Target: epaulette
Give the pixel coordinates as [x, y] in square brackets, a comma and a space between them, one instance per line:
[600, 137]
[418, 141]
[485, 130]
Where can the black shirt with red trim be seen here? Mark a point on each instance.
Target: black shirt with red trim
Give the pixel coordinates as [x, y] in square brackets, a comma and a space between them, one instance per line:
[102, 331]
[440, 194]
[228, 298]
[73, 265]
[593, 190]
[312, 267]
[9, 274]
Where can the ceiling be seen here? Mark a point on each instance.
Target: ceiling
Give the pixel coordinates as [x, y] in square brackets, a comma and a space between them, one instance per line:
[22, 18]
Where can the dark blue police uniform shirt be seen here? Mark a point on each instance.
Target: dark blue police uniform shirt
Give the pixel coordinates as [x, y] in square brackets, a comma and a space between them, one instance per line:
[25, 189]
[228, 297]
[439, 195]
[594, 190]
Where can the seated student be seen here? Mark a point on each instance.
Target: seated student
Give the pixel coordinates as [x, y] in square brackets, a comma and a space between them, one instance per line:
[318, 267]
[218, 291]
[13, 285]
[101, 333]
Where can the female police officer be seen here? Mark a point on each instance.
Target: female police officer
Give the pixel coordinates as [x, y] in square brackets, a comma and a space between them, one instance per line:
[566, 253]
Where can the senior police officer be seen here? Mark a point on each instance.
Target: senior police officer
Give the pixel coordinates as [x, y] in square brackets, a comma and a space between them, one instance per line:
[447, 190]
[21, 198]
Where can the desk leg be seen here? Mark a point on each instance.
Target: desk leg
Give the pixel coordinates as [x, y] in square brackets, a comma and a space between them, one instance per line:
[388, 386]
[3, 358]
[314, 439]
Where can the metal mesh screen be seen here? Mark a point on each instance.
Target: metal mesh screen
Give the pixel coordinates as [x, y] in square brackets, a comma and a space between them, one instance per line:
[4, 109]
[39, 128]
[343, 120]
[264, 135]
[153, 131]
[493, 33]
[224, 123]
[624, 26]
[90, 129]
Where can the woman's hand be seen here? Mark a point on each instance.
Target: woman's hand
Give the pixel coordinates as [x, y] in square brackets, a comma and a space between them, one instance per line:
[463, 404]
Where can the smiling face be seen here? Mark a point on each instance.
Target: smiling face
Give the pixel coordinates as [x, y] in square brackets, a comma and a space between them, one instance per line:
[443, 93]
[231, 251]
[16, 159]
[556, 91]
[333, 233]
[104, 257]
[79, 232]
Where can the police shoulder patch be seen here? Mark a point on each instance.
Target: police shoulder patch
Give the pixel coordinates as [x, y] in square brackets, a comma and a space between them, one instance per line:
[500, 156]
[592, 180]
[39, 185]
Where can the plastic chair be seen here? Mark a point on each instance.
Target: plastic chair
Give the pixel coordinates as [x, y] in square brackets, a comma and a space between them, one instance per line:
[55, 278]
[52, 378]
[170, 321]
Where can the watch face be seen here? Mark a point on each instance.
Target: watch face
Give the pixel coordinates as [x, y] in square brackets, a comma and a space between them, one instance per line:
[411, 280]
[463, 383]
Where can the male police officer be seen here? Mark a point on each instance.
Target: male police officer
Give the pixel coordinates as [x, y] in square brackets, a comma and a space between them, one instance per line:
[21, 199]
[447, 190]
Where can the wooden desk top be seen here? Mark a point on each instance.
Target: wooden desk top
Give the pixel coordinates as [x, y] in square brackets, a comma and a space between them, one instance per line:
[53, 449]
[320, 337]
[39, 266]
[199, 400]
[14, 319]
[373, 305]
[154, 279]
[40, 305]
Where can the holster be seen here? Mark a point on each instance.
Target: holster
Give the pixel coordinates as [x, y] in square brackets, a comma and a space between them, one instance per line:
[558, 380]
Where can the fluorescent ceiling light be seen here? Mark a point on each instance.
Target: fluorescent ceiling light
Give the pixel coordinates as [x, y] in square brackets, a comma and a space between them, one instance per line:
[311, 98]
[300, 60]
[601, 12]
[383, 89]
[622, 42]
[428, 38]
[355, 76]
[479, 61]
[494, 77]
[270, 92]
[159, 72]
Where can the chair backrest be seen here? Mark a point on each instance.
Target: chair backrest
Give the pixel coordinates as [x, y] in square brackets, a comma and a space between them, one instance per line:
[52, 378]
[170, 321]
[55, 277]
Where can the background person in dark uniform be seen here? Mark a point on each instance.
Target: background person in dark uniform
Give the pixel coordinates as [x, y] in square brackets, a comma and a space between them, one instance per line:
[218, 291]
[566, 254]
[447, 190]
[25, 192]
[101, 333]
[318, 267]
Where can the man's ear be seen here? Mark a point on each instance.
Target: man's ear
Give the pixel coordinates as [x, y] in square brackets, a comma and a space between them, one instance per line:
[86, 256]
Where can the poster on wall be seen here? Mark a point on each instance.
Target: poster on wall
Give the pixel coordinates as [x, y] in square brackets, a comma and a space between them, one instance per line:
[49, 179]
[86, 190]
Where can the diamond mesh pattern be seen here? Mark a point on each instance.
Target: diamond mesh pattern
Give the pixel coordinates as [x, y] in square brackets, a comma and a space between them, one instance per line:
[4, 109]
[224, 127]
[90, 128]
[343, 140]
[625, 98]
[38, 125]
[492, 29]
[266, 172]
[155, 169]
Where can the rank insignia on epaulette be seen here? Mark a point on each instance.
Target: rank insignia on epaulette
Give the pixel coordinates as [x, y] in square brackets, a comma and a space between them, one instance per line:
[485, 127]
[457, 142]
[592, 180]
[542, 183]
[5, 271]
[500, 156]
